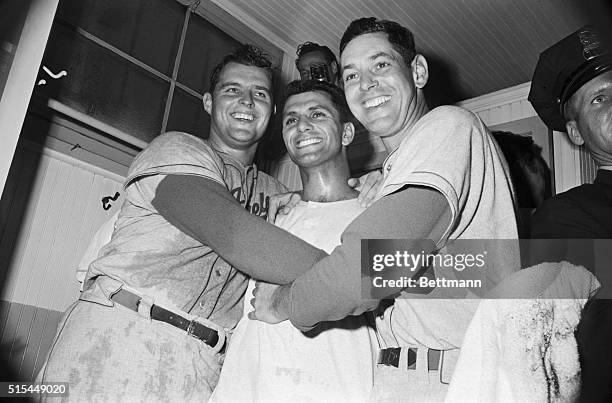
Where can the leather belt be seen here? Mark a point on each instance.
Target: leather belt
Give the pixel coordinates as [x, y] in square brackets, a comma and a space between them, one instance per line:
[192, 327]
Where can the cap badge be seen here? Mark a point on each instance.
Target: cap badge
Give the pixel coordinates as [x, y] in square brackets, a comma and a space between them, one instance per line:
[591, 47]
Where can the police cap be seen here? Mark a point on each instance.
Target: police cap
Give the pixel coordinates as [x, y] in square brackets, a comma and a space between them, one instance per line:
[562, 69]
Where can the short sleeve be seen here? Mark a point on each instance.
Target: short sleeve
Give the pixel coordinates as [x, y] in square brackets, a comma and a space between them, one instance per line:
[451, 144]
[176, 153]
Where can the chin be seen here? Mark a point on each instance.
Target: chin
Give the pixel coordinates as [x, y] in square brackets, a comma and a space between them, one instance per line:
[379, 129]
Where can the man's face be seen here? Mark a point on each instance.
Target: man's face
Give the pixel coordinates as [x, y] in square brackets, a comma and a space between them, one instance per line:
[593, 121]
[241, 105]
[312, 130]
[378, 84]
[315, 58]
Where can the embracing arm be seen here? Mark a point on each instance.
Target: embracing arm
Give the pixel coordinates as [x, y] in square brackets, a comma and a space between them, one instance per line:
[206, 211]
[332, 289]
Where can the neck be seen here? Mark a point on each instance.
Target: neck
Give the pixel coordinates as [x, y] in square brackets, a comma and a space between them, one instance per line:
[327, 182]
[244, 155]
[391, 143]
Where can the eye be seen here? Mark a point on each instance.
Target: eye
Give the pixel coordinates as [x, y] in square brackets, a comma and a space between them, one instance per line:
[350, 76]
[600, 99]
[290, 121]
[318, 114]
[382, 65]
[232, 90]
[261, 94]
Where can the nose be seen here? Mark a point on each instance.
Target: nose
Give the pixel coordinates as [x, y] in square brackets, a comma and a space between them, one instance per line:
[304, 125]
[247, 99]
[367, 81]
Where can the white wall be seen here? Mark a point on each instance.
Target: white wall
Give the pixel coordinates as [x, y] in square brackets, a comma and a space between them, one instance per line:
[50, 212]
[572, 166]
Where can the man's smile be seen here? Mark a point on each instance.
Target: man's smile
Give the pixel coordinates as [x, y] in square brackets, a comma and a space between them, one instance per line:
[306, 142]
[375, 102]
[243, 116]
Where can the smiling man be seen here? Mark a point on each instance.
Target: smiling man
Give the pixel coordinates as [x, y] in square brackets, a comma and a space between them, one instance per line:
[335, 362]
[444, 180]
[150, 323]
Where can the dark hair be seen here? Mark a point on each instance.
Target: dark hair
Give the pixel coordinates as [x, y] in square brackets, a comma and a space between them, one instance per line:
[247, 55]
[335, 92]
[308, 47]
[400, 38]
[524, 157]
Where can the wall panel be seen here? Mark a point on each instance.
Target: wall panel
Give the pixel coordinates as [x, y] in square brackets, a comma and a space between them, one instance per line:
[26, 334]
[52, 213]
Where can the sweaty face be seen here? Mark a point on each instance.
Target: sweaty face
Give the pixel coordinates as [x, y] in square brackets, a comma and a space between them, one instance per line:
[240, 107]
[593, 120]
[379, 86]
[312, 130]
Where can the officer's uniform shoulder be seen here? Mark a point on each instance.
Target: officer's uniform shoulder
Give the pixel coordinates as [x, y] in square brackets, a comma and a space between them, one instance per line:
[563, 205]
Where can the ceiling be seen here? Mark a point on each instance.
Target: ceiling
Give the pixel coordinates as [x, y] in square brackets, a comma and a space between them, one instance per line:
[473, 47]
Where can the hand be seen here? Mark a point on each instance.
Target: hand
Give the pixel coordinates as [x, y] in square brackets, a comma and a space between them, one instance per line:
[266, 302]
[282, 203]
[368, 186]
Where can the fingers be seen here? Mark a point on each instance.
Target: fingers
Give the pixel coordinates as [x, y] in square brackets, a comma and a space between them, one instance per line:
[277, 202]
[282, 204]
[355, 183]
[293, 201]
[370, 185]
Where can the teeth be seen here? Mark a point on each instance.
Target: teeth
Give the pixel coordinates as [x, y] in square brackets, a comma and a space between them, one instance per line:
[304, 143]
[372, 103]
[243, 116]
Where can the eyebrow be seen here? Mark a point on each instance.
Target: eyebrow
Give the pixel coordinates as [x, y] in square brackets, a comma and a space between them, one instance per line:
[310, 108]
[372, 58]
[237, 84]
[603, 87]
[230, 83]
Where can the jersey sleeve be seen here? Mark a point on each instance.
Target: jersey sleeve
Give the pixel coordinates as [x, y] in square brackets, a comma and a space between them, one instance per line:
[452, 144]
[176, 153]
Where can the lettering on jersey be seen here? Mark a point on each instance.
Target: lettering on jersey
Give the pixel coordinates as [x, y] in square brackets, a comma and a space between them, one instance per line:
[259, 205]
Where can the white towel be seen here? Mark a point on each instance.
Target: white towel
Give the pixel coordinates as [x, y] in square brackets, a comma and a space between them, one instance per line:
[523, 349]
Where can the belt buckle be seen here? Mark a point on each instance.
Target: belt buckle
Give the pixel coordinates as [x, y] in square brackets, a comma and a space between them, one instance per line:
[191, 328]
[220, 333]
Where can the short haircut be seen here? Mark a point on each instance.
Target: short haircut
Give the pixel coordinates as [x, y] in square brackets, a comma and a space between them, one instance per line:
[308, 47]
[335, 92]
[400, 38]
[247, 55]
[570, 110]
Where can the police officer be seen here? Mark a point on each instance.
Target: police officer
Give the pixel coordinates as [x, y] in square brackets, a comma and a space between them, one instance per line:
[571, 91]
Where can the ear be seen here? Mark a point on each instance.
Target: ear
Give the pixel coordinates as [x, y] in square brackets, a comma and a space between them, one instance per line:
[334, 68]
[348, 133]
[420, 71]
[207, 101]
[574, 134]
